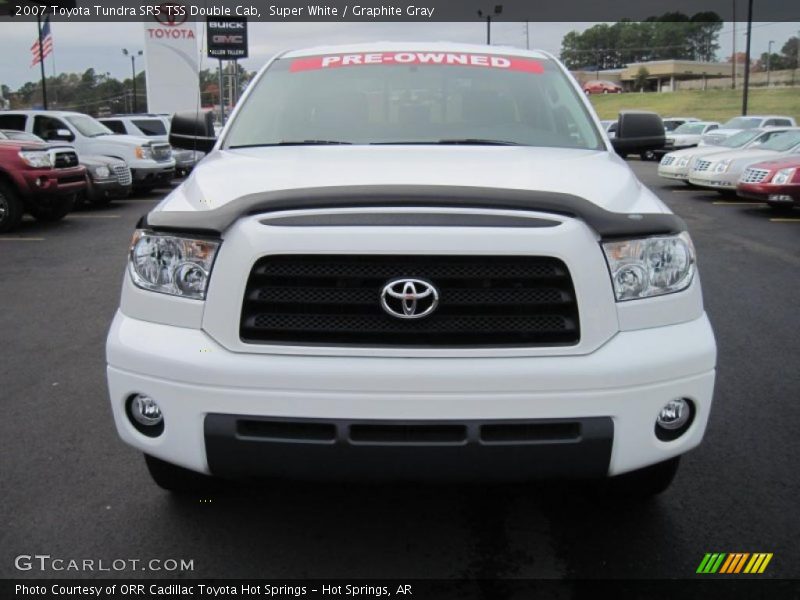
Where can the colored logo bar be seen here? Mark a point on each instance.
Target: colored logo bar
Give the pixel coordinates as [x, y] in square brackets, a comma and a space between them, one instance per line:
[734, 563]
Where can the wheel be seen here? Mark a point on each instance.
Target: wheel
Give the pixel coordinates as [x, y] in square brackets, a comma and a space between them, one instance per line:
[53, 209]
[644, 483]
[648, 155]
[11, 208]
[178, 480]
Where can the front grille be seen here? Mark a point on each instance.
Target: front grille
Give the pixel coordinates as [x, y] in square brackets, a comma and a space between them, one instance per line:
[667, 160]
[702, 165]
[65, 160]
[483, 301]
[161, 151]
[754, 175]
[123, 174]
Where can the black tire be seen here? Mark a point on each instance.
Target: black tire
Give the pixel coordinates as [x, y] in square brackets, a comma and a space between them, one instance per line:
[178, 480]
[644, 483]
[647, 155]
[11, 208]
[53, 209]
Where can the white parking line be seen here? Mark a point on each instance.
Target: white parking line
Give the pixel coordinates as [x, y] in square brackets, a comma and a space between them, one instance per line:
[785, 220]
[80, 216]
[20, 239]
[735, 203]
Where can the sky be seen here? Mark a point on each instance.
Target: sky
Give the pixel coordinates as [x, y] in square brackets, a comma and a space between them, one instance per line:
[79, 46]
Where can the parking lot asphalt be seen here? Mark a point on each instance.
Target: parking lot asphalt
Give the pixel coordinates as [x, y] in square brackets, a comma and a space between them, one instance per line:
[71, 489]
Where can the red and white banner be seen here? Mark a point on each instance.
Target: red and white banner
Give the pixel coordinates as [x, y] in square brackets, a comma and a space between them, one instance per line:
[488, 61]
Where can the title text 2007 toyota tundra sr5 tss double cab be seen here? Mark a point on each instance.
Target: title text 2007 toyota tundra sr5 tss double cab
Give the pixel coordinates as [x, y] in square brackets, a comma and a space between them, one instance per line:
[411, 261]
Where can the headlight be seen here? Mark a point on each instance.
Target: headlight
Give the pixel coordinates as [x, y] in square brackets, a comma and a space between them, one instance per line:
[143, 152]
[682, 162]
[650, 266]
[101, 172]
[722, 166]
[666, 158]
[171, 264]
[783, 176]
[37, 159]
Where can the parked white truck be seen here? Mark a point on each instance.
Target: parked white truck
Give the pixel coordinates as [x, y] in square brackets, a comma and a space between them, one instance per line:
[416, 261]
[151, 163]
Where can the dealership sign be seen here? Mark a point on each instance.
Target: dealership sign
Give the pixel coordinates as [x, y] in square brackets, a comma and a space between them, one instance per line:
[227, 38]
[170, 47]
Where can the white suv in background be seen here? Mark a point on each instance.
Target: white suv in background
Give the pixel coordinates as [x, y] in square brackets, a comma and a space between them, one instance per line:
[150, 162]
[418, 261]
[155, 127]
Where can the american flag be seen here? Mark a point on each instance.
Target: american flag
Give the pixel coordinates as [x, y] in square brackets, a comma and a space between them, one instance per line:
[47, 44]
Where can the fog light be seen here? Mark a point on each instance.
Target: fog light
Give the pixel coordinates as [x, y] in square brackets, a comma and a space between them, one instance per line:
[40, 181]
[145, 415]
[674, 419]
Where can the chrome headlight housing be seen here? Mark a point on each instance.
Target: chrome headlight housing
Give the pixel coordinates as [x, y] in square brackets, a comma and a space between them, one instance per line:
[143, 152]
[38, 159]
[783, 176]
[647, 267]
[722, 165]
[171, 264]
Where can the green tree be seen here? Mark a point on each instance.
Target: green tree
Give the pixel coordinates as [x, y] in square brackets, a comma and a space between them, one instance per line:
[640, 81]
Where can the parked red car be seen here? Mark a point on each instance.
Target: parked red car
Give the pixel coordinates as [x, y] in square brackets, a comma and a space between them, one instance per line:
[776, 182]
[37, 179]
[601, 87]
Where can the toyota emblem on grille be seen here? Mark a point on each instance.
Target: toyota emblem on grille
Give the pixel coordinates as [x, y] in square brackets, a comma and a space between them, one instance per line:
[409, 298]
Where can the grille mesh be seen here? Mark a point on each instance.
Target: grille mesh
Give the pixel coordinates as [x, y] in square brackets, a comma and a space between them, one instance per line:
[491, 301]
[754, 175]
[123, 174]
[702, 165]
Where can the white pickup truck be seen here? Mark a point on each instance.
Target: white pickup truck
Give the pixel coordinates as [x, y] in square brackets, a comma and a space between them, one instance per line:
[415, 261]
[151, 163]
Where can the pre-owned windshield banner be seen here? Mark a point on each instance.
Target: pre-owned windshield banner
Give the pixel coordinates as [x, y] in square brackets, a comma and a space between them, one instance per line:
[489, 61]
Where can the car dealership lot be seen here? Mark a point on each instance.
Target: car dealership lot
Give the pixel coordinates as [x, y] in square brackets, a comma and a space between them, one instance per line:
[73, 490]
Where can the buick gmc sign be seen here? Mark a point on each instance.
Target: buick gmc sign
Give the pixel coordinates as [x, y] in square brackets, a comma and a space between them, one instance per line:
[227, 38]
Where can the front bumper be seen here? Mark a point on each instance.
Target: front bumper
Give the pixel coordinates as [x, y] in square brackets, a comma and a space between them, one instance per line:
[767, 192]
[107, 188]
[717, 181]
[39, 183]
[673, 172]
[159, 174]
[612, 395]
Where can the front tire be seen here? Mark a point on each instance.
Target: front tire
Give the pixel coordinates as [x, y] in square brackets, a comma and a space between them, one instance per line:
[11, 208]
[647, 155]
[178, 480]
[55, 210]
[644, 483]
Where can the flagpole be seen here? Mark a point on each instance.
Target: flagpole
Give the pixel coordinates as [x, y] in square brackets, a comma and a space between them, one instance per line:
[41, 61]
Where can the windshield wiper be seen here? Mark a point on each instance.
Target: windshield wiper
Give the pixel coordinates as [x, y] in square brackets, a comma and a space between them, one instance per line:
[454, 142]
[295, 143]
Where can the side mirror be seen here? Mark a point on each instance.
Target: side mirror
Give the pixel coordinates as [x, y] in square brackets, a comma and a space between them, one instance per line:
[64, 135]
[193, 131]
[637, 132]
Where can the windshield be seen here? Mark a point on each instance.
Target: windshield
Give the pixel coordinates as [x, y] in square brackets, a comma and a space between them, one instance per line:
[88, 126]
[740, 139]
[742, 123]
[414, 98]
[782, 142]
[691, 128]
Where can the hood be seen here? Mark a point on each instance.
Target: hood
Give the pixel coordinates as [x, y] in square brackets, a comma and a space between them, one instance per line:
[122, 139]
[24, 145]
[95, 160]
[789, 162]
[752, 155]
[698, 151]
[600, 177]
[722, 133]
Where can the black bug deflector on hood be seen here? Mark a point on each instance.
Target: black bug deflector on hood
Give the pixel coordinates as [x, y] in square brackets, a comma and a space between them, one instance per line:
[607, 224]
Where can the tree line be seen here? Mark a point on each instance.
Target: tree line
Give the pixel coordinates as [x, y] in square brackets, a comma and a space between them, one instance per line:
[673, 35]
[99, 93]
